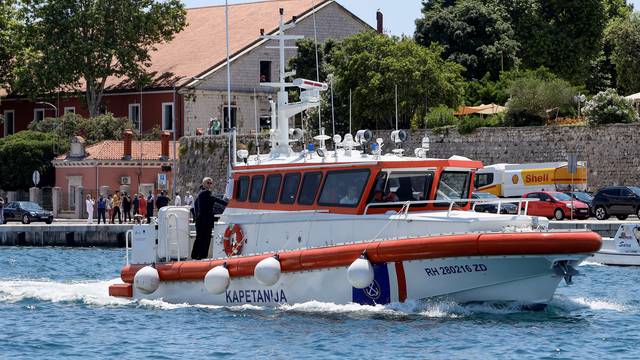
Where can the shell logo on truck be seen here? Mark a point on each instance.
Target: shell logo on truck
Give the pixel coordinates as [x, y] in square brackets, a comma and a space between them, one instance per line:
[514, 180]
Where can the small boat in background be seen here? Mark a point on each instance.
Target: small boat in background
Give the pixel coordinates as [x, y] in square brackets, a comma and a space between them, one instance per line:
[623, 249]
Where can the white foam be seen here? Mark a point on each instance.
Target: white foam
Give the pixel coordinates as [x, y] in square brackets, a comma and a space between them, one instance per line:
[573, 304]
[88, 292]
[591, 263]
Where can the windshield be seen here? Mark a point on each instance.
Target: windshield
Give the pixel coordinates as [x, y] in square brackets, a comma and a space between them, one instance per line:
[482, 195]
[31, 206]
[636, 190]
[453, 185]
[561, 196]
[584, 196]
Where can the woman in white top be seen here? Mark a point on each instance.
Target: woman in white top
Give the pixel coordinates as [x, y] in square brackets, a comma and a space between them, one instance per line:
[90, 204]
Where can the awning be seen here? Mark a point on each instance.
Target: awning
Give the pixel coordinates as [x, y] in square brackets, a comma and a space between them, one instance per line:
[489, 109]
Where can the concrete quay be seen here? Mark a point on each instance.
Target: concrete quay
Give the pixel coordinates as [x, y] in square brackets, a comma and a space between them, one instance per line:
[606, 228]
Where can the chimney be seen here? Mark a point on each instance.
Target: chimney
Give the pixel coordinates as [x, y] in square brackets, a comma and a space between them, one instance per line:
[126, 137]
[164, 145]
[379, 20]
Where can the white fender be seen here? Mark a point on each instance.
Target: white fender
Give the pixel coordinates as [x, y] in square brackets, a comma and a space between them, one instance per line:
[360, 273]
[267, 271]
[217, 279]
[147, 280]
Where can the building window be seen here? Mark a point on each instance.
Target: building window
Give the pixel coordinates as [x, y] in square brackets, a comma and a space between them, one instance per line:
[265, 71]
[167, 116]
[225, 117]
[134, 116]
[9, 122]
[265, 122]
[38, 115]
[70, 110]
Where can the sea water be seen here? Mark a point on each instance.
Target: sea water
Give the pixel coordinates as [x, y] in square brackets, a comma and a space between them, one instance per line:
[54, 305]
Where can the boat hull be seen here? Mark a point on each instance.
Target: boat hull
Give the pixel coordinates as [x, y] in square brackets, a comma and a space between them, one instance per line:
[523, 279]
[501, 267]
[610, 255]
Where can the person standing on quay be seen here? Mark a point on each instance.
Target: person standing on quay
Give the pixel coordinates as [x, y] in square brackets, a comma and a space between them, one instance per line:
[142, 205]
[204, 220]
[116, 208]
[150, 204]
[102, 209]
[136, 204]
[1, 210]
[126, 207]
[189, 202]
[110, 208]
[178, 200]
[89, 204]
[162, 201]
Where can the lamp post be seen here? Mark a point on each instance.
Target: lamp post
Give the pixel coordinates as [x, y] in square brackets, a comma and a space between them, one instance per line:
[50, 104]
[173, 127]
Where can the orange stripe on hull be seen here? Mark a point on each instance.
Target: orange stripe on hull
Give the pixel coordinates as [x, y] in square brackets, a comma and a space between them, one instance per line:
[388, 251]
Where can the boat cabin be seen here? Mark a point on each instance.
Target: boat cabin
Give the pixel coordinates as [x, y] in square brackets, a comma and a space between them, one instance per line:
[358, 188]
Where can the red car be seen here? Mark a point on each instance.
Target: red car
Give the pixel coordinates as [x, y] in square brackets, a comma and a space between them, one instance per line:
[556, 205]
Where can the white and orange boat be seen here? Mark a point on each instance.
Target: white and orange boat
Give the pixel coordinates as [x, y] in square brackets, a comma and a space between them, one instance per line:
[350, 225]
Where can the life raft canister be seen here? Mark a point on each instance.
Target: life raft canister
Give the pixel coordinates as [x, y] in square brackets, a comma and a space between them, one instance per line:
[233, 244]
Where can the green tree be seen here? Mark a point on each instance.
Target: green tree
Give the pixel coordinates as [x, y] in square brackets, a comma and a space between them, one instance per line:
[8, 27]
[371, 65]
[607, 107]
[24, 152]
[476, 34]
[624, 35]
[564, 36]
[99, 38]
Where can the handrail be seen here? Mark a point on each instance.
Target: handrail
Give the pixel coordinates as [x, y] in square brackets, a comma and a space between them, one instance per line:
[452, 203]
[127, 236]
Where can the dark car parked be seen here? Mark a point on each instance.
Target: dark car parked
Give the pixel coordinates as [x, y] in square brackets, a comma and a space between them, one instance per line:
[26, 212]
[505, 208]
[582, 196]
[618, 201]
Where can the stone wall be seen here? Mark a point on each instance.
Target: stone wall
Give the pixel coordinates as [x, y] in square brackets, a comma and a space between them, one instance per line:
[611, 152]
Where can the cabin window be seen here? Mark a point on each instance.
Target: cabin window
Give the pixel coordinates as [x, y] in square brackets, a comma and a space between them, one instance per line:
[290, 188]
[242, 190]
[343, 188]
[408, 186]
[483, 180]
[453, 185]
[256, 188]
[309, 189]
[272, 188]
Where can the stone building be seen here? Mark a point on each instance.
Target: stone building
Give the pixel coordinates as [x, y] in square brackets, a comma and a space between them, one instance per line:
[188, 74]
[253, 62]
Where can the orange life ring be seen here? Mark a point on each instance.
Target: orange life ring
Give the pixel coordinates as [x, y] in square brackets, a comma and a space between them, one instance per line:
[233, 247]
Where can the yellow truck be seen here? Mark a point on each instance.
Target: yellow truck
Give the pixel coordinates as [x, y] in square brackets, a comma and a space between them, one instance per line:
[514, 180]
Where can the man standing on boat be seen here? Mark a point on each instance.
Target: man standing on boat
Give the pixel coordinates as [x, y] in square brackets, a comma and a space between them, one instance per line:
[204, 220]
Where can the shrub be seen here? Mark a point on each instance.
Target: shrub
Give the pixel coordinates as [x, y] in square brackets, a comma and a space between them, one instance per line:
[532, 97]
[469, 123]
[100, 128]
[24, 152]
[607, 107]
[440, 116]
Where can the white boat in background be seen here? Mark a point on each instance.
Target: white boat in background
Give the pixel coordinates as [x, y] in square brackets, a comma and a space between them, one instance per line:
[623, 249]
[351, 225]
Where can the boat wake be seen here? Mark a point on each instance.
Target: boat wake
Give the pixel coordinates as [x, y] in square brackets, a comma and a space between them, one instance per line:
[95, 293]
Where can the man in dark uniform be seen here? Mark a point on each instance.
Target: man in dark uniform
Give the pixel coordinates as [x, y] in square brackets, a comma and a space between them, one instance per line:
[203, 207]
